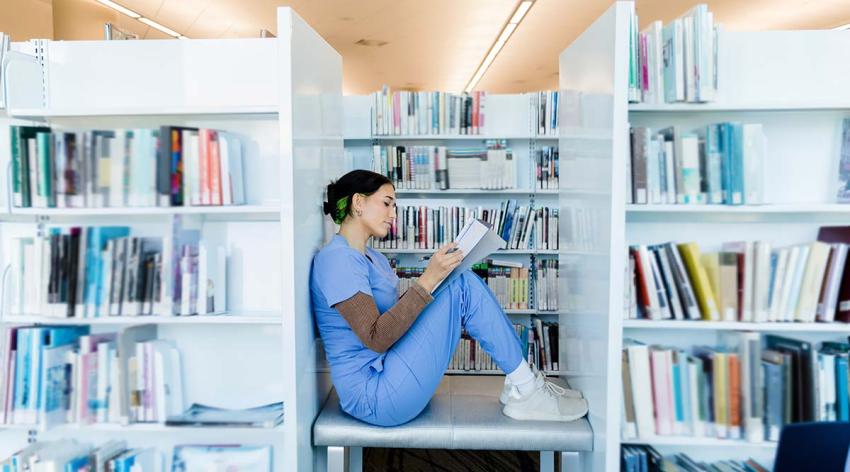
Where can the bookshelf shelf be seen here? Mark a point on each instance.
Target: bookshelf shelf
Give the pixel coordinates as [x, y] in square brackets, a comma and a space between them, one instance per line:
[236, 212]
[270, 110]
[547, 373]
[817, 208]
[685, 441]
[472, 193]
[223, 319]
[142, 428]
[444, 137]
[737, 107]
[502, 251]
[691, 325]
[531, 312]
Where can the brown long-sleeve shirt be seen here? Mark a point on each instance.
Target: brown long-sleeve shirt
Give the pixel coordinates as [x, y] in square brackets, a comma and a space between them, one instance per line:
[379, 332]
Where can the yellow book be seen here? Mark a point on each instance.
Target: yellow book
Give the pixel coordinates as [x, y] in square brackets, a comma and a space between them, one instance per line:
[711, 262]
[699, 281]
[720, 380]
[525, 288]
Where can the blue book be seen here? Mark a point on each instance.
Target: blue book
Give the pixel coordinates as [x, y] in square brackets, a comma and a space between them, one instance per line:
[22, 374]
[774, 394]
[677, 395]
[774, 258]
[841, 387]
[685, 382]
[96, 240]
[737, 164]
[42, 339]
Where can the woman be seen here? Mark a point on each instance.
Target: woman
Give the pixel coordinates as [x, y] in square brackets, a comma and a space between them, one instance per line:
[388, 353]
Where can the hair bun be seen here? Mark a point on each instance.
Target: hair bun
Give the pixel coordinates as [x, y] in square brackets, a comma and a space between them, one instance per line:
[327, 207]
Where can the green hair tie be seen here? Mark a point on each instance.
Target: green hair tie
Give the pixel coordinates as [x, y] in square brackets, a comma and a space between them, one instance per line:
[341, 206]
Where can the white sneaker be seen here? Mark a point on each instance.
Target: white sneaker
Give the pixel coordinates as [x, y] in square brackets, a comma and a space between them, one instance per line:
[546, 403]
[568, 392]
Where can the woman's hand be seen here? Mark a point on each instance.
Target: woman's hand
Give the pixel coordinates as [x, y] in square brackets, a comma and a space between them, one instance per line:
[441, 264]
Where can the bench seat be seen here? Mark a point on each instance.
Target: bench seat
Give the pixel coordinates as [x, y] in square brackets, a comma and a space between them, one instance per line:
[450, 421]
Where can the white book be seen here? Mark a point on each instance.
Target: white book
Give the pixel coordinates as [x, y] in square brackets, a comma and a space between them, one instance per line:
[117, 171]
[54, 376]
[476, 240]
[698, 425]
[167, 388]
[787, 284]
[754, 155]
[101, 396]
[114, 395]
[641, 389]
[761, 282]
[797, 282]
[812, 281]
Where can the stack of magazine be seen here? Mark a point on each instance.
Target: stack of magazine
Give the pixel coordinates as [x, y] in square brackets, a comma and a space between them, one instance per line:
[265, 416]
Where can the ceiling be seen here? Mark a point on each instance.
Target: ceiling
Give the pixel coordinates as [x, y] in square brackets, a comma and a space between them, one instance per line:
[437, 44]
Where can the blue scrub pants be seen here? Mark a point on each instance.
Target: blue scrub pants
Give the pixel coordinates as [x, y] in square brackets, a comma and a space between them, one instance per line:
[415, 364]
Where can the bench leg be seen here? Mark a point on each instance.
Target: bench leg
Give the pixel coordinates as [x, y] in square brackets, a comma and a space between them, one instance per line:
[336, 459]
[355, 459]
[547, 461]
[570, 461]
[345, 459]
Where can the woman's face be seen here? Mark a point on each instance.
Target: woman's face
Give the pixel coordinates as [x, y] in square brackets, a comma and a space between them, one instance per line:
[378, 211]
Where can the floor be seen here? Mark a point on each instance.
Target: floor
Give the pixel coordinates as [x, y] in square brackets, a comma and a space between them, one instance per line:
[427, 460]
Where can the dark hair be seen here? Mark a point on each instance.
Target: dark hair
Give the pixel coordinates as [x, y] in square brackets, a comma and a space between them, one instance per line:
[339, 193]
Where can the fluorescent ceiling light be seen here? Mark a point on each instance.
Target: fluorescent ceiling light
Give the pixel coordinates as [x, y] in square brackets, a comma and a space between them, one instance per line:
[155, 25]
[497, 46]
[521, 11]
[118, 7]
[132, 14]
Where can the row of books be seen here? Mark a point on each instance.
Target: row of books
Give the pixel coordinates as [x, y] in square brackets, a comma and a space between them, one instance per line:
[56, 375]
[427, 113]
[437, 167]
[103, 271]
[509, 281]
[539, 341]
[723, 163]
[746, 281]
[546, 172]
[676, 62]
[115, 456]
[544, 112]
[641, 458]
[747, 388]
[521, 226]
[169, 166]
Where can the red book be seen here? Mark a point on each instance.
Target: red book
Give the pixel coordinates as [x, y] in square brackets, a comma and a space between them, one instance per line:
[839, 234]
[203, 165]
[214, 169]
[640, 282]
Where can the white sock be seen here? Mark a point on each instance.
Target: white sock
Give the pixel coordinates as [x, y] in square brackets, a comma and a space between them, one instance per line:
[522, 378]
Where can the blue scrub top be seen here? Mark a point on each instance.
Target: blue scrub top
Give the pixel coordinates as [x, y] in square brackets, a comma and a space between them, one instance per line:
[339, 272]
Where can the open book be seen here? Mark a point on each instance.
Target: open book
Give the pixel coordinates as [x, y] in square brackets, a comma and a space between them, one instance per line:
[477, 240]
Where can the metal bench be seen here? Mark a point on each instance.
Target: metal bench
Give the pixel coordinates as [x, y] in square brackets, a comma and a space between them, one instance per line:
[451, 421]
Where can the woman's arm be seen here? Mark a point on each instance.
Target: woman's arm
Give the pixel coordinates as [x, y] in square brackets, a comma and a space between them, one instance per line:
[379, 332]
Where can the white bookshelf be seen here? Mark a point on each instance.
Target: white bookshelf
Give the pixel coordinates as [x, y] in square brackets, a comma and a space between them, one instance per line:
[771, 77]
[283, 97]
